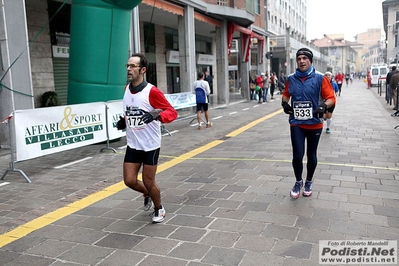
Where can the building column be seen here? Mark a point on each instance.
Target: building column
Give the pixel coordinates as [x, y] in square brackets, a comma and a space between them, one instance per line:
[222, 64]
[135, 32]
[15, 72]
[244, 68]
[187, 49]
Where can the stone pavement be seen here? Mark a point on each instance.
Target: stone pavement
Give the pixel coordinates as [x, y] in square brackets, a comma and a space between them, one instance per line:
[225, 191]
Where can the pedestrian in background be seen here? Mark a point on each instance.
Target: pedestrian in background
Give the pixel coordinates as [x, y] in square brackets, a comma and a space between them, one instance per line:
[145, 108]
[388, 81]
[273, 82]
[368, 80]
[330, 110]
[347, 77]
[201, 90]
[259, 85]
[339, 78]
[265, 85]
[281, 82]
[209, 79]
[252, 85]
[395, 82]
[310, 94]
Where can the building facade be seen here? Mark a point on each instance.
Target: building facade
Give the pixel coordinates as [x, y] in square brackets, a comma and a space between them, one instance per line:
[390, 10]
[227, 38]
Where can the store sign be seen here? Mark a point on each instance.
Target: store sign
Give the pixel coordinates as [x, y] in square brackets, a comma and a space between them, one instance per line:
[60, 51]
[205, 59]
[172, 57]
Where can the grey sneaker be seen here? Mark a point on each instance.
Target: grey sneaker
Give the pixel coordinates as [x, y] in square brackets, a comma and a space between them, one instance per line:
[307, 192]
[147, 203]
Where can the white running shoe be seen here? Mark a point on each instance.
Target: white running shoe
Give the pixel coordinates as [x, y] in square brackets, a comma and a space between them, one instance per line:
[158, 215]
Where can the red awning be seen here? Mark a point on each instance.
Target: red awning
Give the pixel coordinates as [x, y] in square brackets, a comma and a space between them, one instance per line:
[246, 41]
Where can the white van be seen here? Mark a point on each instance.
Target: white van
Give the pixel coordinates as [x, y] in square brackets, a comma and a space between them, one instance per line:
[378, 73]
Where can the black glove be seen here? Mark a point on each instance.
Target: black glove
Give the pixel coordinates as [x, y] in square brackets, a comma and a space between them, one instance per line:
[321, 109]
[287, 108]
[121, 123]
[150, 116]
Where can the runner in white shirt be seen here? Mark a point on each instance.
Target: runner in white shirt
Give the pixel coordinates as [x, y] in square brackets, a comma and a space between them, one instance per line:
[145, 107]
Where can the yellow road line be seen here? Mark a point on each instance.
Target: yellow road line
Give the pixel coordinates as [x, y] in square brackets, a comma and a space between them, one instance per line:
[252, 124]
[71, 208]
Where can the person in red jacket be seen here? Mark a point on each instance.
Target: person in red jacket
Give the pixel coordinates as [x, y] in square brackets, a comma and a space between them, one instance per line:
[145, 108]
[368, 80]
[259, 82]
[339, 78]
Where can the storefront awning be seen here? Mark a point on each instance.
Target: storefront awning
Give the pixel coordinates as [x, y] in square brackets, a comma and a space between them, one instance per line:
[169, 7]
[246, 42]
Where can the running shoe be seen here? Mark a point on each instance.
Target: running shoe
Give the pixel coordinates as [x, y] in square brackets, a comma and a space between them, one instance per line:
[158, 215]
[296, 190]
[199, 127]
[147, 202]
[328, 131]
[208, 125]
[307, 192]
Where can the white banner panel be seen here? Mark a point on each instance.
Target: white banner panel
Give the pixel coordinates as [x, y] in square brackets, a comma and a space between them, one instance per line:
[48, 130]
[114, 111]
[181, 100]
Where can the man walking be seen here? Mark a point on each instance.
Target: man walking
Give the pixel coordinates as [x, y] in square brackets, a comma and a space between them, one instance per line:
[210, 81]
[388, 81]
[394, 82]
[201, 90]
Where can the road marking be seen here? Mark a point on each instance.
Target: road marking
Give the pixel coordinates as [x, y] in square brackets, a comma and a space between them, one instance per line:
[216, 118]
[72, 163]
[245, 109]
[233, 113]
[78, 205]
[252, 124]
[284, 161]
[170, 133]
[5, 183]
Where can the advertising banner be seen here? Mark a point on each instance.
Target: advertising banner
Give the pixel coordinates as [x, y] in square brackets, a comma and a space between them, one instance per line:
[181, 100]
[114, 111]
[48, 130]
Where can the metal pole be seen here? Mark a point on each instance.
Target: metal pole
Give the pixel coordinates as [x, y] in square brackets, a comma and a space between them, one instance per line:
[12, 163]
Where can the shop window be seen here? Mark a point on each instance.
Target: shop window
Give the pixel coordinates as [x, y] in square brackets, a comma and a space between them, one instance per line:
[203, 45]
[149, 38]
[171, 39]
[151, 74]
[233, 60]
[60, 24]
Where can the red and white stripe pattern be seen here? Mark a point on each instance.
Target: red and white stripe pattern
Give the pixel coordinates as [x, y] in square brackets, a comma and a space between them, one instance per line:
[6, 120]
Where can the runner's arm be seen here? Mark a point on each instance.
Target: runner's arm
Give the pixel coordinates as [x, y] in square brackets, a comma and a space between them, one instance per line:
[158, 101]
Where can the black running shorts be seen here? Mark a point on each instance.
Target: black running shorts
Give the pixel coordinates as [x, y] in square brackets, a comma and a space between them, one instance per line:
[202, 107]
[331, 109]
[144, 157]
